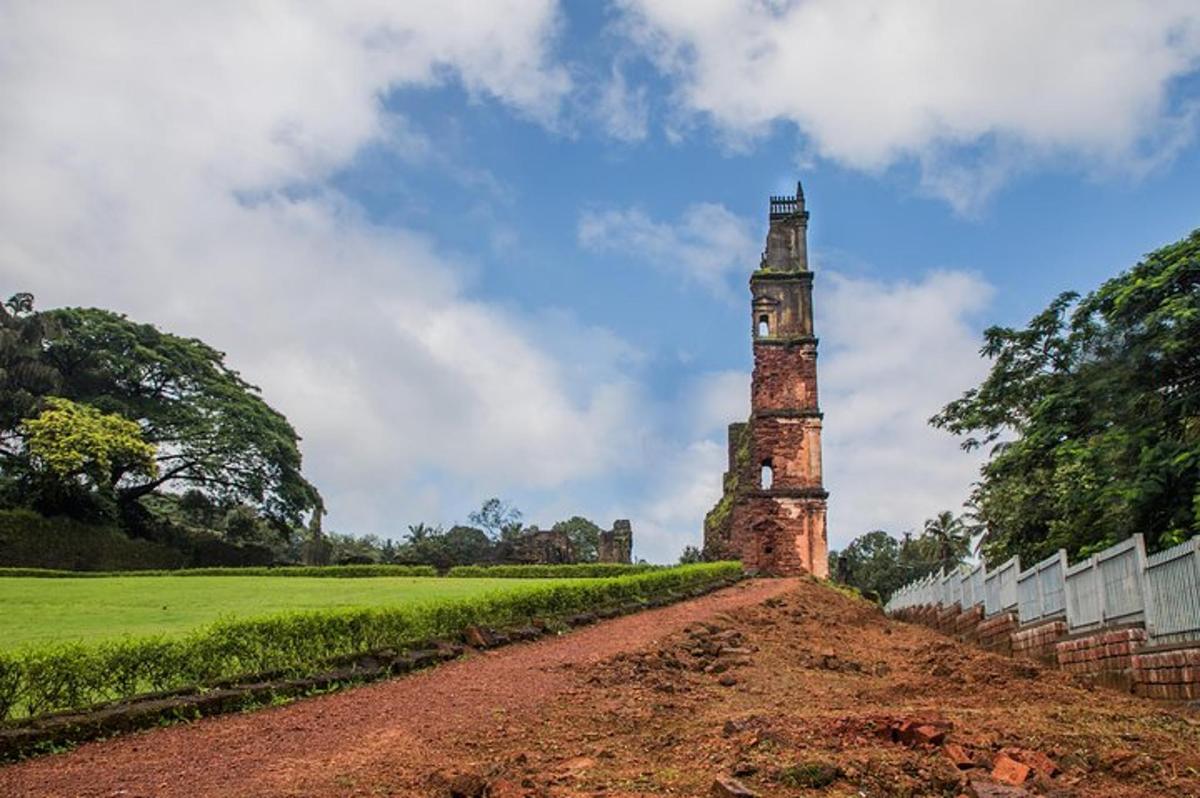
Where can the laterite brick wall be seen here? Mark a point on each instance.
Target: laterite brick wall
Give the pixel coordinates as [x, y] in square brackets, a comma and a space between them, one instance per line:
[1120, 658]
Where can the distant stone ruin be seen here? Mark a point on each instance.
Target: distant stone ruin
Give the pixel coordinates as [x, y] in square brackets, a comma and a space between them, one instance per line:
[554, 547]
[543, 547]
[616, 545]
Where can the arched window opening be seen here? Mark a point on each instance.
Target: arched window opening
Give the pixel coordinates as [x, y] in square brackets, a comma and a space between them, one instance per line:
[767, 476]
[764, 326]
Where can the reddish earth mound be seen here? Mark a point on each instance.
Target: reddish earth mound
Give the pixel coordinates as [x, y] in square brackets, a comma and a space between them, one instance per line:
[780, 687]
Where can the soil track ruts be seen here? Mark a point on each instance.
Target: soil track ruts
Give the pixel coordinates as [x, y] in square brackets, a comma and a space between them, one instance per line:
[786, 683]
[382, 733]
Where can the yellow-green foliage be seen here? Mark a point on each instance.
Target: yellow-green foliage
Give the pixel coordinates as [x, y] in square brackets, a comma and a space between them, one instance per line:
[70, 439]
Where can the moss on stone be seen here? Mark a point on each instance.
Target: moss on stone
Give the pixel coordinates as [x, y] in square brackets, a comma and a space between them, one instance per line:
[718, 516]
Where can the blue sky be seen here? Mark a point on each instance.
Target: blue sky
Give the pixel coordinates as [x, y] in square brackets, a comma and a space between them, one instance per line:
[493, 249]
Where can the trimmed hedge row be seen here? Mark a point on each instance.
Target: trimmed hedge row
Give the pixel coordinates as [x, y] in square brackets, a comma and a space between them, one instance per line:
[72, 676]
[344, 571]
[29, 540]
[586, 570]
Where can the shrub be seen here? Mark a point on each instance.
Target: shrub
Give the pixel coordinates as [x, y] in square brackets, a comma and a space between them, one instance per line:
[71, 676]
[596, 570]
[29, 540]
[342, 571]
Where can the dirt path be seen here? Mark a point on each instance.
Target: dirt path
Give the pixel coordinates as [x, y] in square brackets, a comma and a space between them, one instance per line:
[381, 733]
[788, 684]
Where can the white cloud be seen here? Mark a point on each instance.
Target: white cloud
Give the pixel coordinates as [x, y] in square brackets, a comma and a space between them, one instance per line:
[686, 486]
[870, 84]
[707, 244]
[171, 163]
[624, 112]
[892, 354]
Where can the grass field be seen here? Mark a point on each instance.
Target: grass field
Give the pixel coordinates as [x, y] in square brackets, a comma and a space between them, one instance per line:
[50, 610]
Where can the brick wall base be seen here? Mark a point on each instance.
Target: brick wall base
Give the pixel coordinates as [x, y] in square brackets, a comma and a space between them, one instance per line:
[1168, 674]
[966, 625]
[1115, 657]
[1039, 642]
[1106, 655]
[946, 617]
[995, 633]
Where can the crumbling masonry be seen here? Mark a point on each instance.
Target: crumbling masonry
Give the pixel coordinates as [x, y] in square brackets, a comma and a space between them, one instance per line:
[772, 513]
[616, 545]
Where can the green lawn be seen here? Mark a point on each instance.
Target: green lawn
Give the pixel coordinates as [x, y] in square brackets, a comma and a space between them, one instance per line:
[34, 610]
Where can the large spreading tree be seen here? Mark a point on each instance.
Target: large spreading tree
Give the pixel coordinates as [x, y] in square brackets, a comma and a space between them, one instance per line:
[1092, 413]
[208, 428]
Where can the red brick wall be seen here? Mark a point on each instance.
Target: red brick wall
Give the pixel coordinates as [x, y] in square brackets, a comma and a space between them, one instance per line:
[793, 446]
[1116, 657]
[1039, 642]
[781, 535]
[1168, 674]
[995, 633]
[785, 377]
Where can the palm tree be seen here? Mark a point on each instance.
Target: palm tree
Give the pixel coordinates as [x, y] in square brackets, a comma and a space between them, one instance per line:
[418, 532]
[950, 537]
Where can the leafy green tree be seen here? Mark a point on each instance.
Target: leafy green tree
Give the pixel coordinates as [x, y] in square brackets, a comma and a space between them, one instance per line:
[212, 430]
[352, 550]
[24, 378]
[499, 519]
[691, 554]
[197, 508]
[584, 536]
[460, 545]
[1092, 412]
[466, 545]
[871, 563]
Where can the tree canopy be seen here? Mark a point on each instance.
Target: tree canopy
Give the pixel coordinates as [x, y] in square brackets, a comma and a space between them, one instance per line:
[212, 430]
[24, 378]
[878, 564]
[1092, 412]
[584, 535]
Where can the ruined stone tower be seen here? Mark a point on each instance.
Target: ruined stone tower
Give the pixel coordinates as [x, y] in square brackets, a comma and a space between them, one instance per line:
[616, 545]
[772, 513]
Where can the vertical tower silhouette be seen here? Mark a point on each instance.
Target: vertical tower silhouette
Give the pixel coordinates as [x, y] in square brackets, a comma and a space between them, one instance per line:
[772, 516]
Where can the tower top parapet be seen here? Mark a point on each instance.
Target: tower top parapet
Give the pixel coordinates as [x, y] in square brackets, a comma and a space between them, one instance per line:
[787, 238]
[785, 206]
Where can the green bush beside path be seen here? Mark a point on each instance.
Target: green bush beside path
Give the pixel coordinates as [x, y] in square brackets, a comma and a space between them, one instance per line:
[51, 678]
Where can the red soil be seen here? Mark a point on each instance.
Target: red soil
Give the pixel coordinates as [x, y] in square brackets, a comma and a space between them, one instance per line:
[625, 708]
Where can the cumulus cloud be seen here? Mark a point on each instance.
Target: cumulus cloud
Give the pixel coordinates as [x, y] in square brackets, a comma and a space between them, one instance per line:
[872, 84]
[706, 244]
[173, 163]
[892, 353]
[623, 111]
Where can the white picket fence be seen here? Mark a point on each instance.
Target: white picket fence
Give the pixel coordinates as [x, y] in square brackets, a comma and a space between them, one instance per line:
[1120, 585]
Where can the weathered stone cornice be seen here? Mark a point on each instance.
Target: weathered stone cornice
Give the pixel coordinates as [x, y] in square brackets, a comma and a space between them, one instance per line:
[763, 275]
[785, 340]
[788, 414]
[791, 493]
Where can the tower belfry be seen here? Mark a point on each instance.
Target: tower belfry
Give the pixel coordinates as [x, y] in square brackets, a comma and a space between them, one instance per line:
[772, 516]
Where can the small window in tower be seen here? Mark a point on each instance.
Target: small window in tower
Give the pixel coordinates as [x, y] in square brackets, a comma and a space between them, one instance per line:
[767, 477]
[764, 327]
